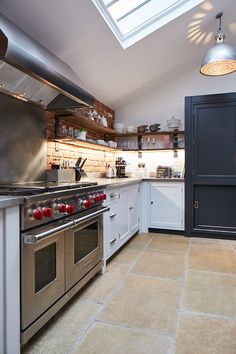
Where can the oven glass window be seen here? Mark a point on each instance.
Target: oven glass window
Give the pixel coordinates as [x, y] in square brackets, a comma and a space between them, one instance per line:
[85, 241]
[45, 266]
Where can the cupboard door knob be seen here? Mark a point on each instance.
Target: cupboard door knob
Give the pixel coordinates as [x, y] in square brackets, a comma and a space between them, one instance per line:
[112, 215]
[151, 202]
[113, 240]
[130, 208]
[112, 195]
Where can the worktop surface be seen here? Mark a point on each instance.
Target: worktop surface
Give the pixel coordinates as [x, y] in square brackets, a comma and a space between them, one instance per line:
[115, 182]
[9, 201]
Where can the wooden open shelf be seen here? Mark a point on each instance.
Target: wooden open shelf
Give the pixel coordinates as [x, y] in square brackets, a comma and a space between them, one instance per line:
[88, 124]
[82, 143]
[155, 149]
[177, 132]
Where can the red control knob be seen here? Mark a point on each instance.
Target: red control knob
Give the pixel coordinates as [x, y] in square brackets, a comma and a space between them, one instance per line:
[62, 208]
[100, 197]
[70, 209]
[104, 196]
[38, 214]
[47, 212]
[96, 198]
[87, 204]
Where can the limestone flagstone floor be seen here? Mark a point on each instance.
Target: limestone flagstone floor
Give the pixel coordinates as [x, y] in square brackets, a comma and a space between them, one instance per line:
[161, 294]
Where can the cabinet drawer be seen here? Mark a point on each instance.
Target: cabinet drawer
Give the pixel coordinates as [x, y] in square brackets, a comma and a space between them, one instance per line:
[111, 241]
[111, 218]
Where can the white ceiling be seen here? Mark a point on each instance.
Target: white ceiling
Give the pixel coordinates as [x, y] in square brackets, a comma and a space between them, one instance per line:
[76, 32]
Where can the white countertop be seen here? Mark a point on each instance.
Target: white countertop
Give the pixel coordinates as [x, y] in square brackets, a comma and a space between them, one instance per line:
[115, 182]
[9, 201]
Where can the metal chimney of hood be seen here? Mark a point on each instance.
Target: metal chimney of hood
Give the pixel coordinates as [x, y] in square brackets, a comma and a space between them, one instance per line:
[31, 72]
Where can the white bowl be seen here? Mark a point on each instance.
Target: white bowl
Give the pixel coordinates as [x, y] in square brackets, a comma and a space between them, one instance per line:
[99, 141]
[131, 130]
[111, 143]
[119, 130]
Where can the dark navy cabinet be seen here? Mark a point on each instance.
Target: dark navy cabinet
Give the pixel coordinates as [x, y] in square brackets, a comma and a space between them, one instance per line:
[210, 125]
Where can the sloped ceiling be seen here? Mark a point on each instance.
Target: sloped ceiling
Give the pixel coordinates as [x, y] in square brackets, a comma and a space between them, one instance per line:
[76, 32]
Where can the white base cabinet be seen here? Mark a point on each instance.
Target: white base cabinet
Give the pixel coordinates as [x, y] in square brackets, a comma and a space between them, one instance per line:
[166, 205]
[9, 281]
[123, 220]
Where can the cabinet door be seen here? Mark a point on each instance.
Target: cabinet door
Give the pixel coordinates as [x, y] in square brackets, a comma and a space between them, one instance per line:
[215, 208]
[134, 207]
[124, 213]
[214, 147]
[112, 237]
[210, 164]
[167, 207]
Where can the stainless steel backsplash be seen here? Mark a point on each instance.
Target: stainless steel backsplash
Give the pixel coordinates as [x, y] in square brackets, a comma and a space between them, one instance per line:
[23, 143]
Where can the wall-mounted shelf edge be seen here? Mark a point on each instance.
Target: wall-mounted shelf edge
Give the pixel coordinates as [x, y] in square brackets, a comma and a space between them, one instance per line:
[155, 149]
[175, 132]
[83, 144]
[86, 123]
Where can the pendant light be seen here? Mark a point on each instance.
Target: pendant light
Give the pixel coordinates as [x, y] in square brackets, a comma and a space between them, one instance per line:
[221, 58]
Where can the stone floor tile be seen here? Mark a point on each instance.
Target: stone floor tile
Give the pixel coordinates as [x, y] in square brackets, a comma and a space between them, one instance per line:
[105, 338]
[169, 243]
[114, 266]
[135, 245]
[146, 303]
[143, 238]
[205, 335]
[167, 265]
[212, 259]
[210, 242]
[126, 256]
[210, 293]
[101, 286]
[62, 332]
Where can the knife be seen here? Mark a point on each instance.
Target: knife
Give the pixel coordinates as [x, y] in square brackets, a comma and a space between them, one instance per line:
[83, 163]
[78, 161]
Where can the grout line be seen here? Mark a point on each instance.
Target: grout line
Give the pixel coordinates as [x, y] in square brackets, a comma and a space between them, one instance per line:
[172, 350]
[203, 314]
[135, 328]
[148, 276]
[231, 275]
[233, 248]
[84, 331]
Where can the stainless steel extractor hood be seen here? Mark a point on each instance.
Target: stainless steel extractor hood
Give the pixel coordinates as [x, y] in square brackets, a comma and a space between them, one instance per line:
[32, 73]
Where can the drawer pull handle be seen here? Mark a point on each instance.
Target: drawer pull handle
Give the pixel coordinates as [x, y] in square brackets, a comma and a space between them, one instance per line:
[113, 240]
[112, 195]
[112, 215]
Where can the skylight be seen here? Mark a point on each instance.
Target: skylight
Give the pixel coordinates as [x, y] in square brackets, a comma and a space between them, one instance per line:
[132, 20]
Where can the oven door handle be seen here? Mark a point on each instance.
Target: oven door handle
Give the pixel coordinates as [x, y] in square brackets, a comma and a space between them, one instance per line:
[90, 216]
[32, 239]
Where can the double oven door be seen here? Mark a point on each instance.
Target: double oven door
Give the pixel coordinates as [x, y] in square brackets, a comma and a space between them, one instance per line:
[55, 259]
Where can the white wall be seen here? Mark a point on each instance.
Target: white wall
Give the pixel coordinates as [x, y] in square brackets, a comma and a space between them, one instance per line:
[152, 159]
[160, 104]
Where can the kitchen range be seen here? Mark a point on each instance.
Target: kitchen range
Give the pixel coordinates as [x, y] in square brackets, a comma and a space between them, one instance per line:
[61, 246]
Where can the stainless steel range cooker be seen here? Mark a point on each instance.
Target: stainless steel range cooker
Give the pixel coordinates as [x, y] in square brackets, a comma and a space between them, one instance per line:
[61, 246]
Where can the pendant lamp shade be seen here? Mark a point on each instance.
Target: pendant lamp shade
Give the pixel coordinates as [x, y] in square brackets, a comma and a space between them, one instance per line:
[221, 58]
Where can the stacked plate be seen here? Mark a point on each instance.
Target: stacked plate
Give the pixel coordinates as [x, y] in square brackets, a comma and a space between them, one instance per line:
[131, 129]
[119, 127]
